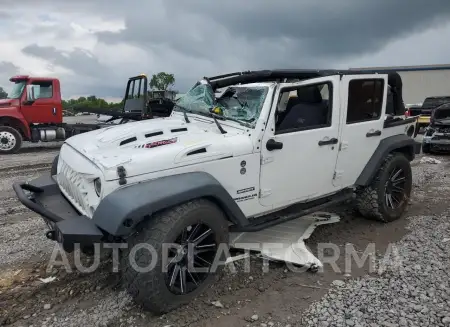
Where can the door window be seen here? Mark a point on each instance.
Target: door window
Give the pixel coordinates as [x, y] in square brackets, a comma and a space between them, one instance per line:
[304, 108]
[45, 90]
[365, 100]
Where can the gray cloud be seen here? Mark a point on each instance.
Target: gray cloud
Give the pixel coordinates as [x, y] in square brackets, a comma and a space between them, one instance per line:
[7, 70]
[94, 77]
[325, 28]
[196, 38]
[4, 16]
[78, 60]
[236, 34]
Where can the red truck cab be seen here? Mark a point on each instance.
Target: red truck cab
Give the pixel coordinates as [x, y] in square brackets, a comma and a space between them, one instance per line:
[31, 112]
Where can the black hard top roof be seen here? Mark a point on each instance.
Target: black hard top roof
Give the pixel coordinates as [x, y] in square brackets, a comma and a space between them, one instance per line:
[256, 76]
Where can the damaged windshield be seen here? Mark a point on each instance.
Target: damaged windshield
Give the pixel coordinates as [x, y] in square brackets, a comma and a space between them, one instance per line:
[238, 103]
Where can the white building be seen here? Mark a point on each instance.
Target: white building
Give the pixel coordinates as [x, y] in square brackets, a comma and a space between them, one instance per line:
[420, 82]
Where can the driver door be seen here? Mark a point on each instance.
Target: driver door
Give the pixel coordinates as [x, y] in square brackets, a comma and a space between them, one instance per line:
[47, 107]
[300, 145]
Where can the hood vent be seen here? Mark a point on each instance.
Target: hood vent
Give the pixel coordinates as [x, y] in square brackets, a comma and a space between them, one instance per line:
[148, 135]
[130, 140]
[175, 130]
[198, 151]
[154, 134]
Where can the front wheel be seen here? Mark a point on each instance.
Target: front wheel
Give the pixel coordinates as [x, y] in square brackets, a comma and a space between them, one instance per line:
[10, 140]
[386, 198]
[175, 255]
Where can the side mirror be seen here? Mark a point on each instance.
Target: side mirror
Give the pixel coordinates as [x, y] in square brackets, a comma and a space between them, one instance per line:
[32, 93]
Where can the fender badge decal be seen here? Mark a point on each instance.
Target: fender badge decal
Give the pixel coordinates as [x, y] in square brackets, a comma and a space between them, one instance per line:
[160, 143]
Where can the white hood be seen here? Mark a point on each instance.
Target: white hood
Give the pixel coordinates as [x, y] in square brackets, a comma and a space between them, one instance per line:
[125, 145]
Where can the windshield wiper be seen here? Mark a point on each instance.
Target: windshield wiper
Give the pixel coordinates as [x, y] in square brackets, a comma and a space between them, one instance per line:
[240, 122]
[215, 116]
[186, 118]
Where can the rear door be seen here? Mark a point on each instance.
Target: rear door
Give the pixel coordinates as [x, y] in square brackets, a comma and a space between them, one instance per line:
[363, 103]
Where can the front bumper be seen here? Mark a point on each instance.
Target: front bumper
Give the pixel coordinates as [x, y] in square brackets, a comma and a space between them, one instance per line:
[438, 142]
[67, 226]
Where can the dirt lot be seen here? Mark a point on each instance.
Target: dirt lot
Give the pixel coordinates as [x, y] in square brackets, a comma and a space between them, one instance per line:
[279, 297]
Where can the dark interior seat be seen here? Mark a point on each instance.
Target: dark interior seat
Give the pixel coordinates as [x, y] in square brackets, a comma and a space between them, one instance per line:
[308, 109]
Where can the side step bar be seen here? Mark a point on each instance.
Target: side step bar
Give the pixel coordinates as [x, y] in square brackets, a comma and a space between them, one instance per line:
[263, 223]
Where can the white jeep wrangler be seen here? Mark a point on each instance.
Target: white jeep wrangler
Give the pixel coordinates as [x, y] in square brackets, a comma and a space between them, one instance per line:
[236, 154]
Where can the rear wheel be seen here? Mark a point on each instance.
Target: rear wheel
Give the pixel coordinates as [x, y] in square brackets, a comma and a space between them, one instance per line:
[10, 140]
[181, 249]
[386, 198]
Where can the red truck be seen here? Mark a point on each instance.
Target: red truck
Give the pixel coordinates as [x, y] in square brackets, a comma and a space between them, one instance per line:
[33, 111]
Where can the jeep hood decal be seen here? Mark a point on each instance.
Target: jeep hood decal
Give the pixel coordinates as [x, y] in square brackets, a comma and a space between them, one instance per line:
[158, 144]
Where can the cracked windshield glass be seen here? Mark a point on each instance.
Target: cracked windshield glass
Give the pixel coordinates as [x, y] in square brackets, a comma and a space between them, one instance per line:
[243, 103]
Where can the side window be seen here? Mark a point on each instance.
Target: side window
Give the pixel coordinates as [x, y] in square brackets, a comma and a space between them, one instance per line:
[365, 100]
[303, 108]
[45, 89]
[136, 89]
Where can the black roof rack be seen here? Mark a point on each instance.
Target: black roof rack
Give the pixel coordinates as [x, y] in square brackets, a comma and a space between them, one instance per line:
[278, 75]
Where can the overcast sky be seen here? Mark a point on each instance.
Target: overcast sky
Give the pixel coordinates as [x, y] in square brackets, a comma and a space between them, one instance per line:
[94, 45]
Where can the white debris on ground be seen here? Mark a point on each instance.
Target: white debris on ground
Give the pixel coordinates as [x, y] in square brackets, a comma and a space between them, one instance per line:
[429, 160]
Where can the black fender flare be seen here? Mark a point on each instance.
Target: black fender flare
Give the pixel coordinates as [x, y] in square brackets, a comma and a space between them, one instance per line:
[120, 211]
[54, 168]
[396, 143]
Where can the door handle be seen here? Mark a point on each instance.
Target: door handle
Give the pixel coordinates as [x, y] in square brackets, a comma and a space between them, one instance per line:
[328, 142]
[273, 145]
[371, 134]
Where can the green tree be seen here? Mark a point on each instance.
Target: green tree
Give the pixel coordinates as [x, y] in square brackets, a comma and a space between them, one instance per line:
[3, 94]
[91, 104]
[162, 81]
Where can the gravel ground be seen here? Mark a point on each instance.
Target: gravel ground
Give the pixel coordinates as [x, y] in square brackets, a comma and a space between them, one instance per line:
[412, 284]
[416, 293]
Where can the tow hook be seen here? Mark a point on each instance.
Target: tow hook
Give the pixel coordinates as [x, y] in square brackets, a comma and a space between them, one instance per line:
[51, 235]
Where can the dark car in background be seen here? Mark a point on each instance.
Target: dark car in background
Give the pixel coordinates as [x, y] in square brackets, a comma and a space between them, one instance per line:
[437, 134]
[426, 108]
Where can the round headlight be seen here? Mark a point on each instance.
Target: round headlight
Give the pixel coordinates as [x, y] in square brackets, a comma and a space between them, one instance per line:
[98, 186]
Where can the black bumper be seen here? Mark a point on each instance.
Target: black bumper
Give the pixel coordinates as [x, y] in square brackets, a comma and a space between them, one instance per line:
[67, 226]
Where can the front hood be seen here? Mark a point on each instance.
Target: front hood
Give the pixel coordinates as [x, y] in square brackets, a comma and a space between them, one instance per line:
[135, 145]
[445, 122]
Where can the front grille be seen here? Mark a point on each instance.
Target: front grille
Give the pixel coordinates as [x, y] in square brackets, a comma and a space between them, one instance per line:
[72, 185]
[445, 130]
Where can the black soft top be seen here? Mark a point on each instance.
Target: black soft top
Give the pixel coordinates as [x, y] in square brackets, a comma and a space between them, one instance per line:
[280, 75]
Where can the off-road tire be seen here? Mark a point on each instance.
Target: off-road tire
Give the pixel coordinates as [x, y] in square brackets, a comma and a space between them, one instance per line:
[426, 148]
[54, 169]
[149, 288]
[17, 136]
[370, 200]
